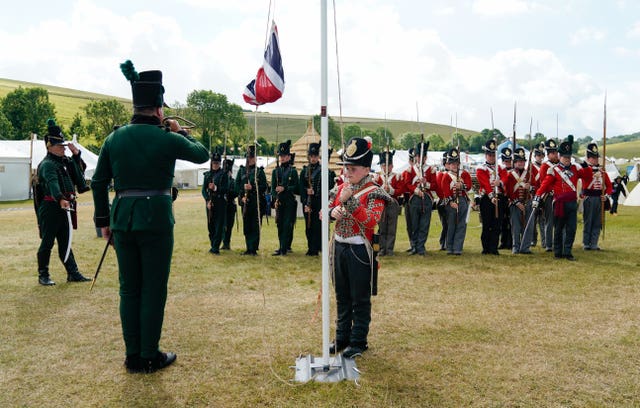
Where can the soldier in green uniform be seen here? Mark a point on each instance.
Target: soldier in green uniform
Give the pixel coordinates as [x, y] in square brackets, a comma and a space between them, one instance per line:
[214, 191]
[248, 200]
[232, 208]
[284, 187]
[55, 201]
[311, 197]
[140, 159]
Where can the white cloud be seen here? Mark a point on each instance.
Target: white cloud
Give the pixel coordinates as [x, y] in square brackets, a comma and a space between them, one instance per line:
[634, 31]
[445, 11]
[586, 35]
[500, 7]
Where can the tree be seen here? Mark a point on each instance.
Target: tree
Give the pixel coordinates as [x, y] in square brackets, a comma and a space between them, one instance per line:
[335, 140]
[410, 140]
[214, 115]
[436, 142]
[493, 133]
[28, 109]
[458, 141]
[6, 129]
[476, 142]
[102, 116]
[77, 127]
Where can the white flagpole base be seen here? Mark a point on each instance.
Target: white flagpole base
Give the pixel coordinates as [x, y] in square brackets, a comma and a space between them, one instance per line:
[338, 368]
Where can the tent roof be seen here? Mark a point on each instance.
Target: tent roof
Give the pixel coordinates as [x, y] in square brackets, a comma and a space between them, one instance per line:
[22, 148]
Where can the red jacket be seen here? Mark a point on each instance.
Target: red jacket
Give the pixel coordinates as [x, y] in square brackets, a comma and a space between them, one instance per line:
[593, 180]
[364, 211]
[411, 179]
[396, 184]
[448, 179]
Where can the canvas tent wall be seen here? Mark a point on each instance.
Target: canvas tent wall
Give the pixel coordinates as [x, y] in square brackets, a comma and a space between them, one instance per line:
[18, 150]
[14, 174]
[633, 199]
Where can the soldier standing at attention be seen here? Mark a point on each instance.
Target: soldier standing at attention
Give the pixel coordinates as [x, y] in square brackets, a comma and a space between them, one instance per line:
[246, 187]
[214, 190]
[519, 193]
[420, 181]
[140, 158]
[506, 155]
[55, 201]
[489, 191]
[311, 198]
[356, 206]
[392, 184]
[284, 187]
[536, 177]
[562, 179]
[596, 188]
[442, 210]
[546, 201]
[454, 185]
[232, 208]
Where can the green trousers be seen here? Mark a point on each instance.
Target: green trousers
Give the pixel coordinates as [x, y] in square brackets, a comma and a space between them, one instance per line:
[144, 262]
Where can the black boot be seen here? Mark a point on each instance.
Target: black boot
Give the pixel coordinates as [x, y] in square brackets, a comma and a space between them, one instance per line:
[73, 275]
[160, 361]
[43, 269]
[133, 364]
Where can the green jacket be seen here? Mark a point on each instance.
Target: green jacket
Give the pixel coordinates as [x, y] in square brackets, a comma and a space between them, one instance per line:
[55, 176]
[287, 177]
[220, 179]
[141, 155]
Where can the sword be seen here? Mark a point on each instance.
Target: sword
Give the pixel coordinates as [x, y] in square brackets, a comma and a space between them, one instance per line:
[66, 254]
[104, 253]
[526, 228]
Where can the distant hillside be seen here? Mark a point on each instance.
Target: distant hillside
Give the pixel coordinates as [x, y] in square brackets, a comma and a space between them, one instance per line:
[67, 101]
[270, 126]
[294, 126]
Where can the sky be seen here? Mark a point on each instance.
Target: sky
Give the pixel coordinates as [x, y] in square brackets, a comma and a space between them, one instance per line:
[435, 60]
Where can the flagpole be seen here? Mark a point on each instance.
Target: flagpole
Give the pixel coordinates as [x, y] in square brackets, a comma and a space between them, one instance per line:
[324, 143]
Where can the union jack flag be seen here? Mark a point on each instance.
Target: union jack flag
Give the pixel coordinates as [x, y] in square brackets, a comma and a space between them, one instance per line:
[269, 83]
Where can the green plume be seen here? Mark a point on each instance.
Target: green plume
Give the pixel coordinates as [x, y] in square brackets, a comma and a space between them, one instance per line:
[51, 122]
[129, 71]
[570, 139]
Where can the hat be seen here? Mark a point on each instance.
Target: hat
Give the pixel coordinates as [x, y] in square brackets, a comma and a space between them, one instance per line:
[506, 153]
[519, 155]
[592, 150]
[565, 147]
[358, 153]
[216, 156]
[453, 156]
[54, 134]
[444, 158]
[228, 164]
[550, 145]
[538, 149]
[284, 148]
[251, 151]
[314, 149]
[490, 146]
[384, 155]
[146, 87]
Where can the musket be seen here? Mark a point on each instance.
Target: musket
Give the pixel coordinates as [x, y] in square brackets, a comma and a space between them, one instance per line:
[421, 184]
[604, 164]
[309, 186]
[95, 276]
[458, 170]
[495, 170]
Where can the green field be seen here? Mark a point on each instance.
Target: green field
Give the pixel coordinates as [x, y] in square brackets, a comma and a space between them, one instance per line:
[507, 331]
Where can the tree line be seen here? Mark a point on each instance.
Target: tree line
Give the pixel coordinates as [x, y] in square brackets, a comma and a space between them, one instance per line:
[221, 125]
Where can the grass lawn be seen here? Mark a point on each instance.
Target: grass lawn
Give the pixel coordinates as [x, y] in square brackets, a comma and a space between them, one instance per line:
[446, 331]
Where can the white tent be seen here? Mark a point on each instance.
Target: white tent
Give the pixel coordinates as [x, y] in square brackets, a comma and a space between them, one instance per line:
[633, 199]
[14, 159]
[14, 174]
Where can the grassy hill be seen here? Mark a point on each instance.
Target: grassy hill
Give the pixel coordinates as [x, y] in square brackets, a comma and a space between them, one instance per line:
[270, 126]
[273, 126]
[67, 101]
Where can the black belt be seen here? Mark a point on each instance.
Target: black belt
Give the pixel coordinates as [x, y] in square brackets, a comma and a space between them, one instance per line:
[136, 192]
